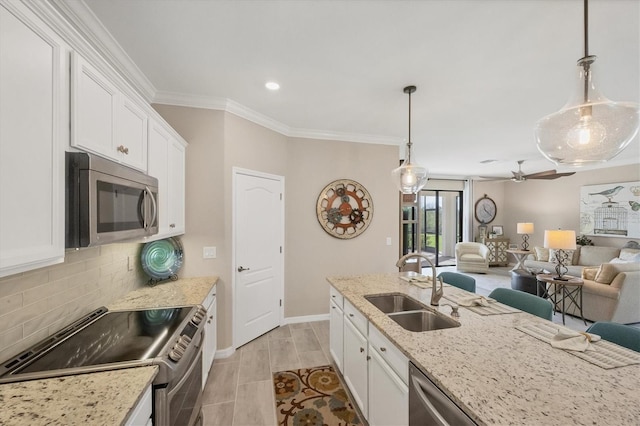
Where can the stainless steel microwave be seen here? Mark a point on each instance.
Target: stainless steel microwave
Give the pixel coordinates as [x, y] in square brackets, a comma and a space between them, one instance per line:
[107, 202]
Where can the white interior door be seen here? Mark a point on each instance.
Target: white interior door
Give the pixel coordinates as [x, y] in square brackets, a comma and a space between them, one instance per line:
[258, 254]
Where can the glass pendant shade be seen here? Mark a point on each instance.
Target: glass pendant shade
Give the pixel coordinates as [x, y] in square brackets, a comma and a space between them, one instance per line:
[590, 128]
[410, 178]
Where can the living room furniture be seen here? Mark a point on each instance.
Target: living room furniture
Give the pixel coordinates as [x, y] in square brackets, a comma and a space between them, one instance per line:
[472, 257]
[498, 251]
[462, 281]
[520, 256]
[523, 280]
[620, 334]
[568, 288]
[524, 301]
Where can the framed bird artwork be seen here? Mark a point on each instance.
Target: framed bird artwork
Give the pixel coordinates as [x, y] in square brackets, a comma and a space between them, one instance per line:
[611, 210]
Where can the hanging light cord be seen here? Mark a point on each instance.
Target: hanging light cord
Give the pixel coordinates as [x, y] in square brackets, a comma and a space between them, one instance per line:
[409, 141]
[586, 60]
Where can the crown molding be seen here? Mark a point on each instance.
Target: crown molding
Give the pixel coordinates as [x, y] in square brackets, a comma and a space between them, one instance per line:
[90, 32]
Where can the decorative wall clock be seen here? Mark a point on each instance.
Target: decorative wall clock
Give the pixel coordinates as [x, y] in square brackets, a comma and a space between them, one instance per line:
[485, 210]
[344, 208]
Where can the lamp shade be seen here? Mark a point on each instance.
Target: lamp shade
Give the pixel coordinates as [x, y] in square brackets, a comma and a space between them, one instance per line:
[560, 239]
[525, 228]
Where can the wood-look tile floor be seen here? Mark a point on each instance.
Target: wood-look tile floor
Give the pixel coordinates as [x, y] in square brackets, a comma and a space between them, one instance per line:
[239, 390]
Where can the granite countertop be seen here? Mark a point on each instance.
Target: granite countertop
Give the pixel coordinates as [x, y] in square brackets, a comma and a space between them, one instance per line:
[497, 374]
[185, 291]
[104, 398]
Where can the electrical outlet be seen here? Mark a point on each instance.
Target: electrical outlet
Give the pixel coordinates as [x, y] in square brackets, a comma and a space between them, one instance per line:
[208, 252]
[388, 241]
[131, 261]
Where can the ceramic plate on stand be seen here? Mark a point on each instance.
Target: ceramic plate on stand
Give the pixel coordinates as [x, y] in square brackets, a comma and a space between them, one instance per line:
[162, 259]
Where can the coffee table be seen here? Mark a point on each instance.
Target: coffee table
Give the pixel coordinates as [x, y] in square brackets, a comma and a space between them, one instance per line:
[520, 256]
[568, 288]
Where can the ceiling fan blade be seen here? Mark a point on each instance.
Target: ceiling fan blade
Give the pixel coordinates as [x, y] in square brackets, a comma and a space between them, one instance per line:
[494, 178]
[553, 176]
[539, 174]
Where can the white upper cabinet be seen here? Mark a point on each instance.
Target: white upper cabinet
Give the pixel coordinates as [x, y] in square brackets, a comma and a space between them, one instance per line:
[33, 131]
[103, 120]
[167, 164]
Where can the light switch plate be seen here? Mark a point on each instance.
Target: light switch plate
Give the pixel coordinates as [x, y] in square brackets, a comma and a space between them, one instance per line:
[208, 252]
[388, 241]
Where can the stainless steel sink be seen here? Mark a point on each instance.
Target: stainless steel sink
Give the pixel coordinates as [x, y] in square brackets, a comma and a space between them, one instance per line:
[409, 313]
[394, 302]
[423, 320]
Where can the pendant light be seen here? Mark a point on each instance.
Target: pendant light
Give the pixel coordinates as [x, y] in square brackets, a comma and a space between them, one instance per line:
[590, 128]
[410, 178]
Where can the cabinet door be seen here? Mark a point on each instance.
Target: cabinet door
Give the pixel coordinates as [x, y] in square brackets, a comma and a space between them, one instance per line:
[355, 365]
[131, 136]
[336, 333]
[388, 394]
[210, 341]
[33, 126]
[176, 177]
[93, 109]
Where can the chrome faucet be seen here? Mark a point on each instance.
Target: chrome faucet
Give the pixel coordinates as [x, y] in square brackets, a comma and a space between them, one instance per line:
[436, 293]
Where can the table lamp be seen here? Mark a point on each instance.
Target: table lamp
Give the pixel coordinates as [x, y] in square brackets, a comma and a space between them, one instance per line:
[525, 229]
[560, 241]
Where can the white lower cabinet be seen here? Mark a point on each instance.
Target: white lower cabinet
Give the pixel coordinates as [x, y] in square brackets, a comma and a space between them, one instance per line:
[142, 413]
[355, 365]
[210, 336]
[388, 394]
[375, 370]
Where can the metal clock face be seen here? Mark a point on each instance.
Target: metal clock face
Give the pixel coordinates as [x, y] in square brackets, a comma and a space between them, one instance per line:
[485, 210]
[344, 209]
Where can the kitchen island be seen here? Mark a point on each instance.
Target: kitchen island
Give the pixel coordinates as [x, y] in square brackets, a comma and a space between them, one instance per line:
[101, 398]
[496, 373]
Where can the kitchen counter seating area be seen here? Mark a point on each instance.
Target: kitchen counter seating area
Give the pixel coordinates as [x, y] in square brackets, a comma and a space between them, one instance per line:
[107, 397]
[496, 373]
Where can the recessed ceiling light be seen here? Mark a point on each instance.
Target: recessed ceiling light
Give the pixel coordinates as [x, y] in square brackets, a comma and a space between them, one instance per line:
[272, 85]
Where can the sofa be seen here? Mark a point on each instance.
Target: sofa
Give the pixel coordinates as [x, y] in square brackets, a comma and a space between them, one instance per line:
[611, 290]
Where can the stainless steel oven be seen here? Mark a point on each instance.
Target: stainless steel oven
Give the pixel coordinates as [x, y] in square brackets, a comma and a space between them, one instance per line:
[170, 338]
[107, 202]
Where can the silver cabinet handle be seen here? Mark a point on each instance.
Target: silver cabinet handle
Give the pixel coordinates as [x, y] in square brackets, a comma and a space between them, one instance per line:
[123, 149]
[383, 349]
[172, 225]
[240, 269]
[351, 315]
[361, 349]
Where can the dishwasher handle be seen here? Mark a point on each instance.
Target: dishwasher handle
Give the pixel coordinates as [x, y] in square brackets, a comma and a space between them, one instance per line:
[419, 387]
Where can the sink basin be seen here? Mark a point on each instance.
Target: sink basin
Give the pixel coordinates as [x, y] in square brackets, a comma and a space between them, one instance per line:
[423, 321]
[409, 313]
[394, 302]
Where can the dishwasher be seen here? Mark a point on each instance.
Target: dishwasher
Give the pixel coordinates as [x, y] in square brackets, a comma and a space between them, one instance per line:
[428, 405]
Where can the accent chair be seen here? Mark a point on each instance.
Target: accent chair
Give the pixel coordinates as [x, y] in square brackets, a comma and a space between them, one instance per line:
[472, 257]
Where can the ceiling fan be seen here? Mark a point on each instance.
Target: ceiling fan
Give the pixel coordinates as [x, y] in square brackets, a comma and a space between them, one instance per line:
[519, 176]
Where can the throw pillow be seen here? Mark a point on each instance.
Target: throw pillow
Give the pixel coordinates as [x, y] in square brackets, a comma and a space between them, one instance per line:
[628, 254]
[589, 273]
[542, 254]
[569, 256]
[606, 273]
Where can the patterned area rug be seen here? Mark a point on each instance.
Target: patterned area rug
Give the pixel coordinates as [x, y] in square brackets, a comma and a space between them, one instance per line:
[312, 397]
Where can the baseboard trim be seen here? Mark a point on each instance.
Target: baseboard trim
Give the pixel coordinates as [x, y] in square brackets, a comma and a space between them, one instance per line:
[306, 318]
[225, 353]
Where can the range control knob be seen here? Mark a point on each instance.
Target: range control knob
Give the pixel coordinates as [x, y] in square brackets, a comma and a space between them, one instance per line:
[176, 354]
[200, 314]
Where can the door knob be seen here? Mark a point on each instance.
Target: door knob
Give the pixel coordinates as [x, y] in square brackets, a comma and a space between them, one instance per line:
[240, 269]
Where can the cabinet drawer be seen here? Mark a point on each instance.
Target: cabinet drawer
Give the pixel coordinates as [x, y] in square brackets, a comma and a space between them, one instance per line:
[390, 353]
[356, 318]
[336, 297]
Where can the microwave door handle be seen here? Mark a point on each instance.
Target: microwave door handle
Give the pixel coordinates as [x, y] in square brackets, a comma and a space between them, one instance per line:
[155, 207]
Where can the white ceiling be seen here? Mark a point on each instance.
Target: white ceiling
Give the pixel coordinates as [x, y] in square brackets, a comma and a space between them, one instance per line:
[486, 70]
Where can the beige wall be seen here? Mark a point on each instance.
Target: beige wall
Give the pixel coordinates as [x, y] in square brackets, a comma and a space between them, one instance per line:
[219, 141]
[550, 204]
[36, 304]
[311, 253]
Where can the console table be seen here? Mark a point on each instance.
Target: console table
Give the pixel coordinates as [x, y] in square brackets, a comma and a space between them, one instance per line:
[498, 247]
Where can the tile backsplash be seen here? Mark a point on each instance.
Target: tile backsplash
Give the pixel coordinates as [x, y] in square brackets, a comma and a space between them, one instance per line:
[36, 304]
